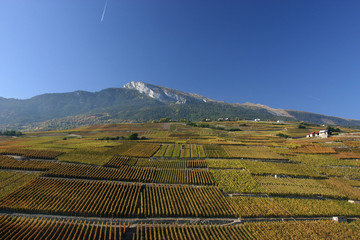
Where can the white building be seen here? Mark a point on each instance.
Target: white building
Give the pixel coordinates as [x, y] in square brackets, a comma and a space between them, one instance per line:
[321, 134]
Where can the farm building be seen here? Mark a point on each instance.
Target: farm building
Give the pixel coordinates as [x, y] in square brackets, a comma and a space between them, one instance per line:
[339, 219]
[321, 133]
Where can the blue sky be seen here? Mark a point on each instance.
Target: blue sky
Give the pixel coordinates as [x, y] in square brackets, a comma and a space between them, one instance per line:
[301, 55]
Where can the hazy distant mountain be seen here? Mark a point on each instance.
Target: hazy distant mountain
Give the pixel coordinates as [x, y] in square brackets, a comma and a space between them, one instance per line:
[136, 101]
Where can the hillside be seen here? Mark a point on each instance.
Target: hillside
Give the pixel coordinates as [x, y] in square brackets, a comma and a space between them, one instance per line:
[136, 101]
[180, 182]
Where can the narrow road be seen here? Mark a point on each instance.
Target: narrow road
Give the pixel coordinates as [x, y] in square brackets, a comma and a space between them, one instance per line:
[168, 220]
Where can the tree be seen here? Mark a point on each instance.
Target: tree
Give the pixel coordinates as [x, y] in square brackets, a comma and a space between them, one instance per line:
[162, 120]
[282, 135]
[332, 129]
[133, 136]
[11, 133]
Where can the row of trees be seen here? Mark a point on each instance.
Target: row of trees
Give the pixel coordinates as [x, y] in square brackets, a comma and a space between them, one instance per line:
[11, 133]
[133, 136]
[207, 125]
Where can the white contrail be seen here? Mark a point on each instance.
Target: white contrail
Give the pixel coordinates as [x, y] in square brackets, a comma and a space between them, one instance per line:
[103, 14]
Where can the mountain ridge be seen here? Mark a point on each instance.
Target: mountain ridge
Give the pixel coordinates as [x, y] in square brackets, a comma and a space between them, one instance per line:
[137, 101]
[165, 94]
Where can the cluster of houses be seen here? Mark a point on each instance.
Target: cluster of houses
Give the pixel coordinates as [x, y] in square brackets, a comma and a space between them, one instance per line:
[321, 133]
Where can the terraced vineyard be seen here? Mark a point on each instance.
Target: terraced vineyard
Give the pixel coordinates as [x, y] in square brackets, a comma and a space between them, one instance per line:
[184, 201]
[180, 182]
[264, 230]
[266, 168]
[297, 186]
[10, 181]
[125, 173]
[35, 228]
[74, 197]
[38, 228]
[193, 232]
[251, 152]
[42, 154]
[35, 165]
[303, 230]
[291, 207]
[180, 151]
[142, 150]
[315, 149]
[131, 173]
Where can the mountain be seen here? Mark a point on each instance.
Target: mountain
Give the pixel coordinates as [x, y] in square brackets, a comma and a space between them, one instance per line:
[136, 101]
[164, 94]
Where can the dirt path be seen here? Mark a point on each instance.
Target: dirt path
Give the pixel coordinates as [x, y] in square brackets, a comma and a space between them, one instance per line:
[168, 220]
[129, 182]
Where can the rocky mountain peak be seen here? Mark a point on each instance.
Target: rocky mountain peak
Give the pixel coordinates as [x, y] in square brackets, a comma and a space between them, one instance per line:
[164, 94]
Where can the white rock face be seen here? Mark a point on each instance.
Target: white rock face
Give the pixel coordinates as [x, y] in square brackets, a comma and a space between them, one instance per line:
[164, 94]
[142, 88]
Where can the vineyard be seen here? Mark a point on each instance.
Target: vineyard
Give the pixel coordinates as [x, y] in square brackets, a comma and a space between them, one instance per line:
[32, 165]
[251, 152]
[349, 172]
[236, 181]
[94, 156]
[180, 151]
[183, 176]
[322, 160]
[225, 163]
[184, 201]
[41, 154]
[247, 207]
[348, 155]
[297, 186]
[264, 167]
[132, 174]
[74, 197]
[180, 164]
[39, 228]
[191, 232]
[257, 207]
[303, 230]
[343, 187]
[315, 208]
[314, 149]
[142, 150]
[271, 168]
[261, 230]
[125, 173]
[180, 182]
[119, 161]
[9, 181]
[215, 151]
